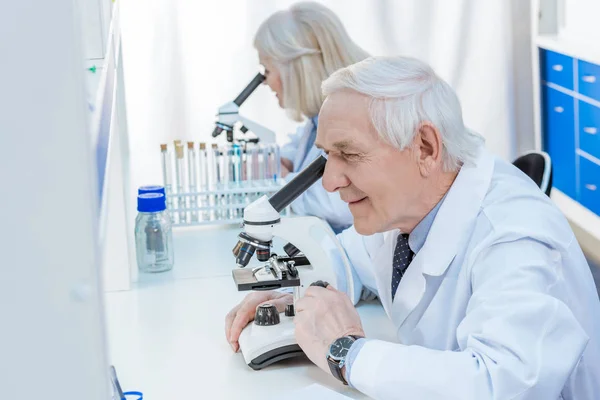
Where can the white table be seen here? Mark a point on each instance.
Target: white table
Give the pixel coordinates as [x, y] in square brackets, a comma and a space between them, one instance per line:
[166, 335]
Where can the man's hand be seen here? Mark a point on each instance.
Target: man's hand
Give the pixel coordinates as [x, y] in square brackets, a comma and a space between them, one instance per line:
[322, 316]
[243, 313]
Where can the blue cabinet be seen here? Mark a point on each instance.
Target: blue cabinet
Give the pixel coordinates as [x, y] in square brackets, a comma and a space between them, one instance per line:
[556, 68]
[558, 119]
[590, 185]
[589, 129]
[571, 125]
[588, 79]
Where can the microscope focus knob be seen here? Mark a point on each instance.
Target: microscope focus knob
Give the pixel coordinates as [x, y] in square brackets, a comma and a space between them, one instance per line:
[289, 310]
[266, 315]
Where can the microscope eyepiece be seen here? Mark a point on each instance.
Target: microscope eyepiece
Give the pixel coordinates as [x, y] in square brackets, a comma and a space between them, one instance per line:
[298, 185]
[254, 83]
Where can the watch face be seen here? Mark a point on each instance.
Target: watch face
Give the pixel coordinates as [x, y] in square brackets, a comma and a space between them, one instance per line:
[340, 347]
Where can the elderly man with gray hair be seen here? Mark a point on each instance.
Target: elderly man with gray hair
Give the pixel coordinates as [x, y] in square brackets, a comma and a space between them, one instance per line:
[486, 285]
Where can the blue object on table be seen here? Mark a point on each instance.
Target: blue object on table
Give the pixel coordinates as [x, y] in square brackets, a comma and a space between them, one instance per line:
[151, 189]
[153, 234]
[140, 395]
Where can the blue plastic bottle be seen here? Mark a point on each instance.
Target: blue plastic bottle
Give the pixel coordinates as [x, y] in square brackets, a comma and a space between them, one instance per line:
[151, 189]
[153, 234]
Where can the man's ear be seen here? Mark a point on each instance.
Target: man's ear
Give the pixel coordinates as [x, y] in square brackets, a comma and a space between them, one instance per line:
[428, 142]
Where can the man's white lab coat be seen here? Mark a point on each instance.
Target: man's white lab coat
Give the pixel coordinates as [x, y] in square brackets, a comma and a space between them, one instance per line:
[498, 304]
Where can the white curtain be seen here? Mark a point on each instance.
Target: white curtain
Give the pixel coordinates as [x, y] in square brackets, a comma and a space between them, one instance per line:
[185, 58]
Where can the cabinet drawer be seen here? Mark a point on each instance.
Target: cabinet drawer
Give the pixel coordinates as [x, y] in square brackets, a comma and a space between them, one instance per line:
[589, 128]
[590, 185]
[558, 113]
[588, 75]
[556, 68]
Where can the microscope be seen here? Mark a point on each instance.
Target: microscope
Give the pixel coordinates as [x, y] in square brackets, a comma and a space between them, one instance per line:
[313, 256]
[228, 115]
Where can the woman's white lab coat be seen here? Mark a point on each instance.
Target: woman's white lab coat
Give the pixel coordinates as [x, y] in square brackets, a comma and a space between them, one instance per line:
[498, 304]
[315, 200]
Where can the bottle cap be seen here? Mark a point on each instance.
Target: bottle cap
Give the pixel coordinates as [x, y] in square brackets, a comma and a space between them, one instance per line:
[151, 202]
[151, 189]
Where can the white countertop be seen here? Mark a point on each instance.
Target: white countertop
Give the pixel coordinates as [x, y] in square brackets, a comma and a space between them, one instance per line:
[574, 47]
[166, 335]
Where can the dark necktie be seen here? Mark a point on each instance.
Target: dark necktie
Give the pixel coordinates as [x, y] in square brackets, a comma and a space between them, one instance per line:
[403, 255]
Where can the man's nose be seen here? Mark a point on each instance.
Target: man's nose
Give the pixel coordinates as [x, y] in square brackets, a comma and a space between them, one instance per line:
[334, 177]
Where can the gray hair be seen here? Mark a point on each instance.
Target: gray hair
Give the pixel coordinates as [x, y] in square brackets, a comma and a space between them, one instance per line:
[405, 93]
[308, 43]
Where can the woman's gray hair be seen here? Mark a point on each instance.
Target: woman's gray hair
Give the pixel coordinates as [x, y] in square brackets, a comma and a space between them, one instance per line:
[308, 43]
[406, 93]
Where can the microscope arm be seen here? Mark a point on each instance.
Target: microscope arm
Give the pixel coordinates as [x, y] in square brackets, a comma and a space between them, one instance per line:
[228, 115]
[265, 135]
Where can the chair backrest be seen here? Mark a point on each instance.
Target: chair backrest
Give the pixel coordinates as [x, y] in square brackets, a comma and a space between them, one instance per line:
[538, 166]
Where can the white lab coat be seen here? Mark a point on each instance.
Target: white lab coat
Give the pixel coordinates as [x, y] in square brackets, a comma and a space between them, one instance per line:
[498, 304]
[315, 200]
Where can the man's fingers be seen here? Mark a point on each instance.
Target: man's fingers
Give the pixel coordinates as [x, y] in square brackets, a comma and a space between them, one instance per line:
[244, 315]
[239, 323]
[305, 304]
[313, 291]
[229, 320]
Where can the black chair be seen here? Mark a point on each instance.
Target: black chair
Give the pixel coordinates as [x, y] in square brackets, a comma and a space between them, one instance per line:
[538, 166]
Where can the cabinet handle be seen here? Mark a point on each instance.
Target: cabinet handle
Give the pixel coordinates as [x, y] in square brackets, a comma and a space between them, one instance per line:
[588, 78]
[590, 130]
[557, 67]
[559, 109]
[591, 187]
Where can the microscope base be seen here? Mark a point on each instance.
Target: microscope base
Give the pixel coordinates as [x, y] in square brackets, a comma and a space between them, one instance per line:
[276, 355]
[265, 345]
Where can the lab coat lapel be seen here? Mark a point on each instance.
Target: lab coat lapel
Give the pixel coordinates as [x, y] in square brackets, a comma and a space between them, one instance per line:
[447, 234]
[382, 263]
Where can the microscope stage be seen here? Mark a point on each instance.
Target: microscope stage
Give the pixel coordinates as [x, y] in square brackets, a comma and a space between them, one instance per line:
[245, 280]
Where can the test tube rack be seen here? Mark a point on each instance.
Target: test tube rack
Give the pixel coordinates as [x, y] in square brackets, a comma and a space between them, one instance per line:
[212, 184]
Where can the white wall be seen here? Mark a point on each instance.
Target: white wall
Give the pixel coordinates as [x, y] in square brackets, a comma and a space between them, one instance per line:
[184, 58]
[580, 21]
[51, 334]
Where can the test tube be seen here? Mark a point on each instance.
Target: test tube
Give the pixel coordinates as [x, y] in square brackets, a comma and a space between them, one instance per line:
[227, 179]
[216, 180]
[255, 169]
[203, 199]
[192, 180]
[167, 171]
[179, 180]
[277, 162]
[270, 163]
[263, 155]
[245, 156]
[237, 176]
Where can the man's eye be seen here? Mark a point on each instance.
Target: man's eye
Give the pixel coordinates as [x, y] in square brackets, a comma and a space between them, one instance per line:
[349, 156]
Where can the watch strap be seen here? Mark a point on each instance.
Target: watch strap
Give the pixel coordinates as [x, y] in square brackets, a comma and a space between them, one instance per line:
[334, 366]
[336, 371]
